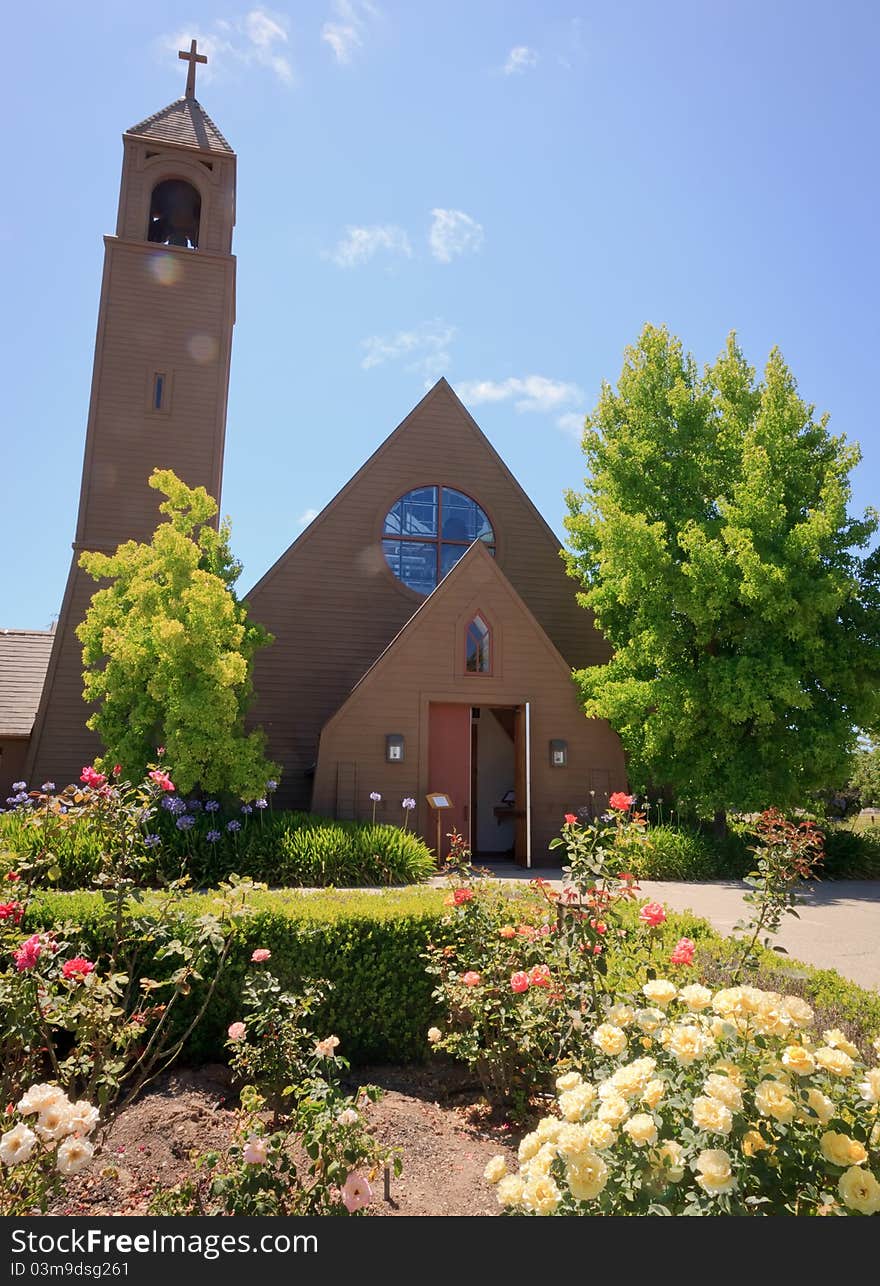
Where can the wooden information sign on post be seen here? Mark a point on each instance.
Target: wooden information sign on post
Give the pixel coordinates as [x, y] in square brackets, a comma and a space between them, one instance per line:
[439, 803]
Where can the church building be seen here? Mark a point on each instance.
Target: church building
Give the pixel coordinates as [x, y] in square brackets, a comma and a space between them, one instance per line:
[425, 628]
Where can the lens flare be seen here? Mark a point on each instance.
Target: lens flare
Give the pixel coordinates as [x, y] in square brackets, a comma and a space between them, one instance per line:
[203, 348]
[166, 269]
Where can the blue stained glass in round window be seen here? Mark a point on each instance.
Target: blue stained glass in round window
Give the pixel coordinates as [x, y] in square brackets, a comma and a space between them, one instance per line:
[428, 530]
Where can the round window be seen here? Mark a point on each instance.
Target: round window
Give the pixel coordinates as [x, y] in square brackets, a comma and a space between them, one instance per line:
[428, 530]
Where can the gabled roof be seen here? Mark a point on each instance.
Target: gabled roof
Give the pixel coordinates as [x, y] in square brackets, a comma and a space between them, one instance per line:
[456, 581]
[24, 659]
[185, 123]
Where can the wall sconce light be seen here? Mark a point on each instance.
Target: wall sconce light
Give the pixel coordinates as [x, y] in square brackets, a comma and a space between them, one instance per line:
[558, 754]
[394, 747]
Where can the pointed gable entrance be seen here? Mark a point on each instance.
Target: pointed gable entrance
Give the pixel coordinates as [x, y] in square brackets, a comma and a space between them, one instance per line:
[334, 603]
[482, 738]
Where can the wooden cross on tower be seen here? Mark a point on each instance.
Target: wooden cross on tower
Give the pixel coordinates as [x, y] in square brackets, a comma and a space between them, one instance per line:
[192, 58]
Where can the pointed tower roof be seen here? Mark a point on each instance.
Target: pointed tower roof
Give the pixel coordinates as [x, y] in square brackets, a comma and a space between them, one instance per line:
[185, 123]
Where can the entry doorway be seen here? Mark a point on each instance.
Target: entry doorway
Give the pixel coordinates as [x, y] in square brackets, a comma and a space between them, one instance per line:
[479, 757]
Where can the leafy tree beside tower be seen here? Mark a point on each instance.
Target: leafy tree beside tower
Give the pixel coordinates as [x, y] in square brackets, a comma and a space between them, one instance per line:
[713, 543]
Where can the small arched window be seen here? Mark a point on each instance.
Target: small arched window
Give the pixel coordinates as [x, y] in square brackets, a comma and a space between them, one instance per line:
[428, 530]
[478, 647]
[175, 214]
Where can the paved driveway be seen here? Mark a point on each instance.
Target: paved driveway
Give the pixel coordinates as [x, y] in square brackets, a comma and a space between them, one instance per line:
[838, 926]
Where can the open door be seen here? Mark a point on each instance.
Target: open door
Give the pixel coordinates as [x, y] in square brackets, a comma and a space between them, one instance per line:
[523, 785]
[449, 769]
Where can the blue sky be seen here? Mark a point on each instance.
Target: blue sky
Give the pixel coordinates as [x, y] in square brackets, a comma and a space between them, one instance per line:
[497, 191]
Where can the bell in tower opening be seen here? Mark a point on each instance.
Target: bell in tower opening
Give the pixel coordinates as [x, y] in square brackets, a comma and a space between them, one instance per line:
[175, 211]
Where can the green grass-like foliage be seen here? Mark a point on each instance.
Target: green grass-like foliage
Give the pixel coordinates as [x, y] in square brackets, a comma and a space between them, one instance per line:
[290, 849]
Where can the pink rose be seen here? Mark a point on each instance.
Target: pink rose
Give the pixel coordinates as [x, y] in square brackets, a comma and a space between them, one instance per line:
[652, 914]
[570, 819]
[519, 981]
[620, 802]
[539, 976]
[261, 954]
[161, 779]
[254, 1152]
[28, 953]
[77, 968]
[471, 979]
[236, 1031]
[92, 778]
[460, 896]
[356, 1192]
[683, 952]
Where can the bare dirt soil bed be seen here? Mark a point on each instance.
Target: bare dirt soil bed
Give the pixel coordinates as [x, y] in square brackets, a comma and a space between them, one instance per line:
[432, 1114]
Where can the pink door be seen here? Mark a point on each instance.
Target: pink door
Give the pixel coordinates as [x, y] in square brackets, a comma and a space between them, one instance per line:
[449, 770]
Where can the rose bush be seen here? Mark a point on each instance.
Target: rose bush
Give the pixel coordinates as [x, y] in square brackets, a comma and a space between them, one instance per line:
[706, 1103]
[44, 1138]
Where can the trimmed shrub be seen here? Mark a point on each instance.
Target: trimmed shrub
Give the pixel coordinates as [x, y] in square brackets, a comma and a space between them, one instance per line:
[851, 854]
[274, 848]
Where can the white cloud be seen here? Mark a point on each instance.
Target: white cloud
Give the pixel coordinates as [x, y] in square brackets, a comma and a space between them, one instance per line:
[345, 34]
[360, 244]
[519, 58]
[427, 347]
[307, 516]
[531, 393]
[452, 233]
[572, 422]
[255, 40]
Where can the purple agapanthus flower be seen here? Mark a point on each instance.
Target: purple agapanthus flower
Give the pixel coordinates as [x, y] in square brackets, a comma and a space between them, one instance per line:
[211, 806]
[375, 796]
[47, 787]
[409, 803]
[271, 785]
[194, 805]
[247, 809]
[168, 803]
[150, 841]
[213, 836]
[186, 822]
[261, 803]
[19, 785]
[233, 826]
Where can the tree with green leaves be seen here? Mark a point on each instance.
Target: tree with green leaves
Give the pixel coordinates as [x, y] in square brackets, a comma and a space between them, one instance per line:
[865, 778]
[168, 651]
[713, 544]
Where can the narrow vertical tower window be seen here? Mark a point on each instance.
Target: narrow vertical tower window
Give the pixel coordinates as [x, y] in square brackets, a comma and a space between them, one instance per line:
[478, 650]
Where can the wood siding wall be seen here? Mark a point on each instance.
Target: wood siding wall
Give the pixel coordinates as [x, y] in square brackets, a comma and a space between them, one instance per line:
[333, 604]
[423, 666]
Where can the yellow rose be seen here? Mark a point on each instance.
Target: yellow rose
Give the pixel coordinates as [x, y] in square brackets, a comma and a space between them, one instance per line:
[539, 1165]
[568, 1081]
[753, 999]
[571, 1140]
[660, 991]
[709, 1114]
[631, 1079]
[530, 1145]
[731, 1071]
[836, 1061]
[509, 1191]
[798, 1011]
[841, 1150]
[728, 1002]
[771, 1018]
[541, 1195]
[588, 1177]
[723, 1088]
[821, 1106]
[654, 1094]
[753, 1141]
[798, 1060]
[688, 1043]
[859, 1190]
[696, 997]
[614, 1110]
[548, 1128]
[574, 1104]
[836, 1039]
[599, 1135]
[495, 1170]
[771, 1099]
[670, 1156]
[869, 1088]
[620, 1015]
[714, 1171]
[641, 1129]
[434, 1034]
[611, 1040]
[722, 1028]
[650, 1019]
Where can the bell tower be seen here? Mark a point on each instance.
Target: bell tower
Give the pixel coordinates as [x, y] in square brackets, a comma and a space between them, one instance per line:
[160, 377]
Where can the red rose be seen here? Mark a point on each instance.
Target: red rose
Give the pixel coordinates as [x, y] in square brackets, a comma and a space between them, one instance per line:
[570, 819]
[519, 981]
[12, 876]
[460, 896]
[652, 913]
[620, 802]
[28, 953]
[77, 968]
[11, 911]
[683, 952]
[539, 976]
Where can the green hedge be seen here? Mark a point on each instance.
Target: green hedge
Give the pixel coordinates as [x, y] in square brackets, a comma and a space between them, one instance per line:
[370, 946]
[286, 849]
